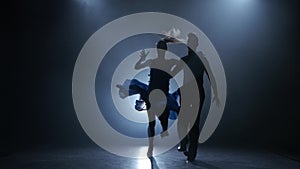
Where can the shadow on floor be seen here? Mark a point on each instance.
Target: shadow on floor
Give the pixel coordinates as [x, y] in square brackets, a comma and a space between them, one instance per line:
[153, 163]
[204, 165]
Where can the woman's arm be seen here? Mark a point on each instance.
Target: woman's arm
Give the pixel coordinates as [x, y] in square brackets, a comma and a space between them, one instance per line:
[140, 63]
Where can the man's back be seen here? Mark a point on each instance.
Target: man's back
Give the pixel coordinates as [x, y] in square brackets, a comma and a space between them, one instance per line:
[196, 66]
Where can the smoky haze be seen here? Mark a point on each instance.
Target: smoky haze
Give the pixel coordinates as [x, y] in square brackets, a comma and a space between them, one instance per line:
[257, 42]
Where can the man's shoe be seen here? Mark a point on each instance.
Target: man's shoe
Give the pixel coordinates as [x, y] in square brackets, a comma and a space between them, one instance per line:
[181, 149]
[189, 159]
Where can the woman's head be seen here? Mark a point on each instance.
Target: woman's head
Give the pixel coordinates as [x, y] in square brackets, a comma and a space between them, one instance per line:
[161, 48]
[162, 45]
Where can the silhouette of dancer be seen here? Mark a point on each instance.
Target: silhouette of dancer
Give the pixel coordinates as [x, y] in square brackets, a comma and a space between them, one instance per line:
[159, 79]
[195, 64]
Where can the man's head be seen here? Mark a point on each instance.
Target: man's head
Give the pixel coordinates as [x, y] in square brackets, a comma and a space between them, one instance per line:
[192, 41]
[161, 48]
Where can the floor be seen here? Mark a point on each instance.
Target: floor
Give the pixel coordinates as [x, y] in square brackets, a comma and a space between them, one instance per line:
[96, 158]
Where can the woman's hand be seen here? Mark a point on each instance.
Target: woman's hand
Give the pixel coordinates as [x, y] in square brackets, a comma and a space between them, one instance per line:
[143, 54]
[170, 39]
[141, 63]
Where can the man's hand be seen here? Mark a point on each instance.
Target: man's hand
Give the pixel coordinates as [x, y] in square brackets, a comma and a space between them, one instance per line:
[216, 99]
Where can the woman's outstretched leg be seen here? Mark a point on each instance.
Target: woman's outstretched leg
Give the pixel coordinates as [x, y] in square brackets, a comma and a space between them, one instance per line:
[163, 118]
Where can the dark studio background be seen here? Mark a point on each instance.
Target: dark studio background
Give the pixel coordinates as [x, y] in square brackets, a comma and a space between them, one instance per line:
[257, 40]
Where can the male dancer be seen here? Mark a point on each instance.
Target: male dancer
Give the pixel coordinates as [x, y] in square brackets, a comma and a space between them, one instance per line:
[196, 66]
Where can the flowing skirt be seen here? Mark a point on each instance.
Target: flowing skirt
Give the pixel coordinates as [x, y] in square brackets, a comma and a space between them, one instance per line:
[133, 87]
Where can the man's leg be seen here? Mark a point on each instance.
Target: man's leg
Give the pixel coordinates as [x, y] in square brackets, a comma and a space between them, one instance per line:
[193, 140]
[194, 136]
[182, 128]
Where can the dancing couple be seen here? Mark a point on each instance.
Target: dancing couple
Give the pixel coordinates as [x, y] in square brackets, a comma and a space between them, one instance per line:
[156, 99]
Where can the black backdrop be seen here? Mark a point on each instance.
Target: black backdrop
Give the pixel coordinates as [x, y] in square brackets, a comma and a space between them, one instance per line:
[259, 50]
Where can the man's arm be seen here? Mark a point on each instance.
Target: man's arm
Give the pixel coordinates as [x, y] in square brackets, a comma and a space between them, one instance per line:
[176, 67]
[179, 65]
[211, 79]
